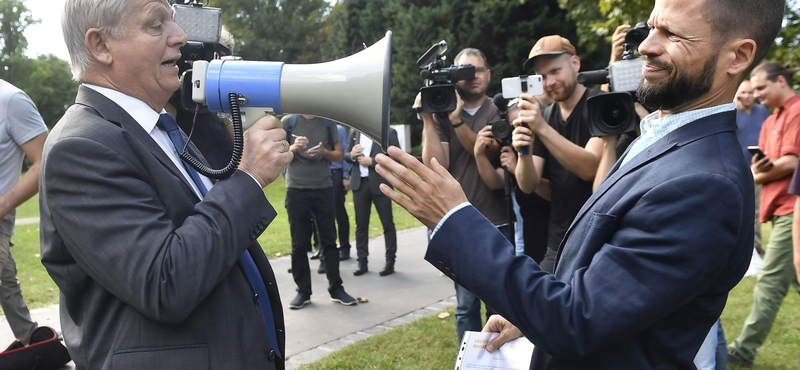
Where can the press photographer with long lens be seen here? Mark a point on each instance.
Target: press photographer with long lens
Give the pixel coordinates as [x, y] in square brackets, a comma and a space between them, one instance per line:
[558, 138]
[449, 139]
[618, 113]
[534, 208]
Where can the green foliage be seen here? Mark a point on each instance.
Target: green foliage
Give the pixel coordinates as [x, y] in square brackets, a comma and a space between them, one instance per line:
[46, 79]
[14, 18]
[286, 31]
[504, 30]
[787, 44]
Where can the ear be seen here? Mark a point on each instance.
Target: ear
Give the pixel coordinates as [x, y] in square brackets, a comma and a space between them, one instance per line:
[96, 43]
[744, 53]
[575, 62]
[488, 75]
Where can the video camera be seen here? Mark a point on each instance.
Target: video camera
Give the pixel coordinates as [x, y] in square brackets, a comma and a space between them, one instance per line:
[203, 28]
[439, 92]
[614, 113]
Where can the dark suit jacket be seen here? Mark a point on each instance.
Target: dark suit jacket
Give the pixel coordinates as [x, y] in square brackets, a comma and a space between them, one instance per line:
[375, 180]
[644, 270]
[148, 273]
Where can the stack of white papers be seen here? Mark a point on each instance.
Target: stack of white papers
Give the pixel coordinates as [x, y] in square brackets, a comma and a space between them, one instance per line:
[514, 355]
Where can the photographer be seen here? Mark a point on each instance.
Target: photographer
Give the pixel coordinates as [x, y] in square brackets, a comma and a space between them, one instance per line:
[614, 146]
[451, 141]
[558, 137]
[534, 208]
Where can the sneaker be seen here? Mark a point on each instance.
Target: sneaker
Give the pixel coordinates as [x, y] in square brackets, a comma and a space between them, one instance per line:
[299, 301]
[321, 269]
[316, 254]
[342, 297]
[736, 359]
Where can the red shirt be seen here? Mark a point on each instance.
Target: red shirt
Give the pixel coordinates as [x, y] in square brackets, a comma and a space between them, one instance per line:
[780, 135]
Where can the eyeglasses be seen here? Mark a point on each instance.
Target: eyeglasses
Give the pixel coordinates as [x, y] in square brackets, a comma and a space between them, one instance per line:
[481, 69]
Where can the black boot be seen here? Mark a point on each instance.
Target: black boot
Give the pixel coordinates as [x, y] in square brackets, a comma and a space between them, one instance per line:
[362, 268]
[388, 269]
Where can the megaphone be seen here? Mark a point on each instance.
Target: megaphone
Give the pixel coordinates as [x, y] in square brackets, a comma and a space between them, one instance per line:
[354, 91]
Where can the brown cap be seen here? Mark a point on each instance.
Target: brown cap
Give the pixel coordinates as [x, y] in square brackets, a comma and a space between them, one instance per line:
[549, 45]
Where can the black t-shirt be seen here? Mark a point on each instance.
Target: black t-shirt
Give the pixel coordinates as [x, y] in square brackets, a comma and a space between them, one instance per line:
[569, 192]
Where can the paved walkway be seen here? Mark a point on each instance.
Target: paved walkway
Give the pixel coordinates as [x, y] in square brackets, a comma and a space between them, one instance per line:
[414, 291]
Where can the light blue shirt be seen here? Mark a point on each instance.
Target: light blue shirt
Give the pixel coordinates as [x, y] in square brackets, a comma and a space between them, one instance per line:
[654, 128]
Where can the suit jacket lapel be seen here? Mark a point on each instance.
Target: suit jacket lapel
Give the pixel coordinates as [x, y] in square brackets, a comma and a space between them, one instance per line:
[115, 114]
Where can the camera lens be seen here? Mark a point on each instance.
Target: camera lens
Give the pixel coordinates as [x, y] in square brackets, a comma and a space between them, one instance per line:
[439, 99]
[501, 130]
[614, 114]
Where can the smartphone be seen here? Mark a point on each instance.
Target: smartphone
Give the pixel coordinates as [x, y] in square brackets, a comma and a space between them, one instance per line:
[313, 147]
[754, 150]
[513, 87]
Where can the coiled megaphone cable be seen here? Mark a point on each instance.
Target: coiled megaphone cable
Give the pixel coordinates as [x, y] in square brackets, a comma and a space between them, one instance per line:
[238, 144]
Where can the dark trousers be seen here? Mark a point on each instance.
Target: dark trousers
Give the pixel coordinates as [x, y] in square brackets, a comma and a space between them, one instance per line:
[301, 204]
[363, 199]
[342, 219]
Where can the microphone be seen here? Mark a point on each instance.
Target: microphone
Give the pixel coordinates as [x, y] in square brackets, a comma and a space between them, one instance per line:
[500, 102]
[598, 77]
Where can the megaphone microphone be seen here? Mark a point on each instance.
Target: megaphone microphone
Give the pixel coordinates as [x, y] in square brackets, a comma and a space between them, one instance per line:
[354, 91]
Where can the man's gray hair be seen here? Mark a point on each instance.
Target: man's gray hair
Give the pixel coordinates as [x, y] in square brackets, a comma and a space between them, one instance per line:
[473, 52]
[79, 16]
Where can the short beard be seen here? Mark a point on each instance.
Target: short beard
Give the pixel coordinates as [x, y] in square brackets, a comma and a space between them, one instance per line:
[678, 89]
[467, 95]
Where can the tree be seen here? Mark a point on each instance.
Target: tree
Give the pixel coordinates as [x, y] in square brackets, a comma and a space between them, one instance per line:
[46, 79]
[505, 30]
[287, 31]
[14, 18]
[787, 44]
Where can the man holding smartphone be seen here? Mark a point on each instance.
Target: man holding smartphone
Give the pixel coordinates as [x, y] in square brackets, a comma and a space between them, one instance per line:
[309, 191]
[780, 141]
[559, 143]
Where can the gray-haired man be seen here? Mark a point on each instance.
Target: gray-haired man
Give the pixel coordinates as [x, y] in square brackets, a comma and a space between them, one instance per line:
[158, 267]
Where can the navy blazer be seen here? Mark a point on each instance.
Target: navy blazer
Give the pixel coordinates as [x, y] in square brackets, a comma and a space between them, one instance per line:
[644, 270]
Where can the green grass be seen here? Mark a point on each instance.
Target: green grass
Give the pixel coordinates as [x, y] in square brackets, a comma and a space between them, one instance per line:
[40, 291]
[430, 343]
[29, 208]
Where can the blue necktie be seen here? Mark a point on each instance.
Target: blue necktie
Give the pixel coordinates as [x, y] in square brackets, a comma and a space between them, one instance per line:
[168, 124]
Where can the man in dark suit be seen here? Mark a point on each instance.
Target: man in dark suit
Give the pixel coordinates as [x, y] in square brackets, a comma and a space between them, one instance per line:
[365, 182]
[158, 267]
[646, 267]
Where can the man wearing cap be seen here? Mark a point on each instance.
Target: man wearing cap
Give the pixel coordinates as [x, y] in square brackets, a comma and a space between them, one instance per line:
[560, 145]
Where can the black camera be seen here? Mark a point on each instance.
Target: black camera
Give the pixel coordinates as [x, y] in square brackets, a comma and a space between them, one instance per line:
[502, 129]
[614, 113]
[439, 92]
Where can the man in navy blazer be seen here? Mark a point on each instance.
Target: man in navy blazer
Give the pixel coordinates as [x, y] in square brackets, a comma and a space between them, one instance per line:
[645, 268]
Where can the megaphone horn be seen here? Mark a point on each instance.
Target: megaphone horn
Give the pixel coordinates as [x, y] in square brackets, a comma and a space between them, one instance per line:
[354, 91]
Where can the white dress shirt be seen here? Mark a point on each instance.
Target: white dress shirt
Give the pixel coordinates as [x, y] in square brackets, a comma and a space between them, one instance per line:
[147, 118]
[366, 143]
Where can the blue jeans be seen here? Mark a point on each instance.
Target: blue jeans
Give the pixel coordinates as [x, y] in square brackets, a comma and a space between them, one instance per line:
[709, 357]
[468, 306]
[519, 243]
